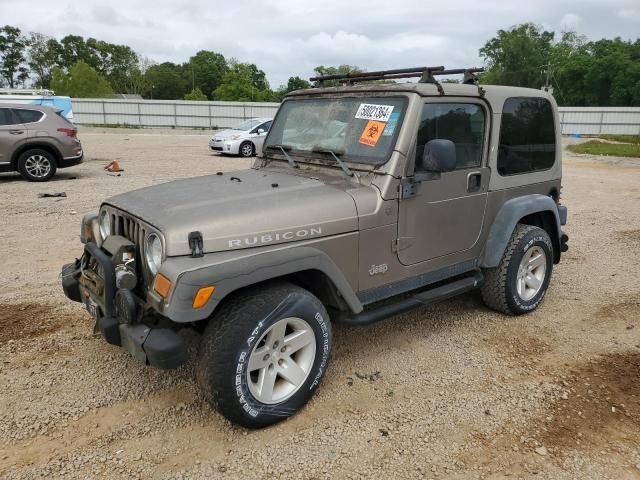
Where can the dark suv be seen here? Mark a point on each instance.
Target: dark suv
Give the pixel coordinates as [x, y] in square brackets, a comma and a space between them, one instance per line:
[36, 140]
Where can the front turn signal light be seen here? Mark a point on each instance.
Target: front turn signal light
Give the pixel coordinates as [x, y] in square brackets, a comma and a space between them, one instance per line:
[203, 296]
[162, 285]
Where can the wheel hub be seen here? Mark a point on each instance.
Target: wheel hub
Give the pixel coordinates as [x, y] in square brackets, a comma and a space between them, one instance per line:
[37, 166]
[281, 360]
[531, 273]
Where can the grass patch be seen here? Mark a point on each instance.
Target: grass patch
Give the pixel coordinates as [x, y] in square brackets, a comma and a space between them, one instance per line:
[594, 147]
[621, 138]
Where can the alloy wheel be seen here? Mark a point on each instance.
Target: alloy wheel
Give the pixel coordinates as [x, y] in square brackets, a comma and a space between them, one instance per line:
[281, 360]
[38, 166]
[531, 273]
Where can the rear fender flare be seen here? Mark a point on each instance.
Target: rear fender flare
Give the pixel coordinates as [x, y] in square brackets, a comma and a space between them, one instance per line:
[508, 217]
[49, 147]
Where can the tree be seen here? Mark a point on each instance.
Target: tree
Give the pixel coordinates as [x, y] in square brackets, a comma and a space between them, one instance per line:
[601, 73]
[118, 63]
[205, 70]
[74, 49]
[81, 81]
[44, 55]
[137, 81]
[322, 71]
[518, 56]
[244, 82]
[196, 94]
[12, 50]
[166, 82]
[293, 84]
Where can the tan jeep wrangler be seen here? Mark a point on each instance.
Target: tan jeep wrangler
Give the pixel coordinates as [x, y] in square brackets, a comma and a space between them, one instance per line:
[367, 201]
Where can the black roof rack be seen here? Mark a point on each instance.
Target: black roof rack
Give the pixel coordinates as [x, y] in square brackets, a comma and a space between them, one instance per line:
[426, 75]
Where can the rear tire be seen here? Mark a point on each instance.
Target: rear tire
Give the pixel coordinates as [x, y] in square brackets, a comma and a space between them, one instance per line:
[264, 353]
[36, 165]
[519, 283]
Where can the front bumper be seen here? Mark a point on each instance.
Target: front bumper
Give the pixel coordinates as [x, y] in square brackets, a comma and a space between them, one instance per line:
[120, 315]
[225, 146]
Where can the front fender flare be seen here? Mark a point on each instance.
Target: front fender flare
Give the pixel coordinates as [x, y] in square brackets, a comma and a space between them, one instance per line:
[230, 272]
[506, 220]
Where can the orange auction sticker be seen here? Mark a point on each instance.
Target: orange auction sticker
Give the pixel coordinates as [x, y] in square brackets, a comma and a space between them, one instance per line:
[371, 133]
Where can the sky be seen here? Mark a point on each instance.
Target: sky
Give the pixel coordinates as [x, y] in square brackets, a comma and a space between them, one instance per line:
[287, 37]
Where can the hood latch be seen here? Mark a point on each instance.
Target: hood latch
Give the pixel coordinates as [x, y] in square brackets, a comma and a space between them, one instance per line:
[196, 244]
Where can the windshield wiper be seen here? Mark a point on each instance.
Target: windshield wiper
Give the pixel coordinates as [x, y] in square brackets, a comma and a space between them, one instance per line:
[283, 149]
[343, 166]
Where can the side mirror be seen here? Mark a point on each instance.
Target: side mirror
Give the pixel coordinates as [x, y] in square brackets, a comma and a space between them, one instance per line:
[261, 131]
[439, 156]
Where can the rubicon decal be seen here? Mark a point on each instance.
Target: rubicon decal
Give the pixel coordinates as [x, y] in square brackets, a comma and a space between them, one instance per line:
[276, 237]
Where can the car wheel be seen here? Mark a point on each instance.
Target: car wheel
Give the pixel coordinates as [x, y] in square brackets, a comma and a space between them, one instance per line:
[519, 283]
[246, 149]
[36, 165]
[264, 353]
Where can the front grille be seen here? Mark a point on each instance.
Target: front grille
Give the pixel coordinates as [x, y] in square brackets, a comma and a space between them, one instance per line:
[135, 231]
[128, 228]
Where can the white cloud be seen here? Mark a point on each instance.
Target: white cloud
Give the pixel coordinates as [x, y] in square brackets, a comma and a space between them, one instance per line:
[290, 37]
[629, 14]
[570, 21]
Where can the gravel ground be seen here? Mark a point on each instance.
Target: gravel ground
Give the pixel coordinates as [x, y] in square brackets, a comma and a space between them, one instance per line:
[450, 391]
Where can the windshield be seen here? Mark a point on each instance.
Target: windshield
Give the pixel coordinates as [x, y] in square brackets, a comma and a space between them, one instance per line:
[247, 125]
[362, 129]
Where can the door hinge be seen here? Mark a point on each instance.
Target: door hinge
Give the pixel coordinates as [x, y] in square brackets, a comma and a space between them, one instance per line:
[407, 188]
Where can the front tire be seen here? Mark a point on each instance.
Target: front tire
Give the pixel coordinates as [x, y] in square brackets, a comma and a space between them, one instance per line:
[246, 149]
[519, 283]
[264, 353]
[36, 165]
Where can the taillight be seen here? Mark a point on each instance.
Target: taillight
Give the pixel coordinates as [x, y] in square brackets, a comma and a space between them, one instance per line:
[69, 132]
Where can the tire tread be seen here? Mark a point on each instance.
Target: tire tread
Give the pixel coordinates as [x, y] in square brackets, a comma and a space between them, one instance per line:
[225, 328]
[494, 288]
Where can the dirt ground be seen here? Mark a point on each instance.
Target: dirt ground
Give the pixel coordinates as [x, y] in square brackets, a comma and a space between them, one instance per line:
[450, 391]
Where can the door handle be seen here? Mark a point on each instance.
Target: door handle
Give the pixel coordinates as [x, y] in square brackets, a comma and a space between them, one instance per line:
[474, 182]
[16, 132]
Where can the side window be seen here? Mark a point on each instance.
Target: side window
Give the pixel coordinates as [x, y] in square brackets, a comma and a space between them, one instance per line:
[5, 117]
[262, 126]
[267, 125]
[462, 123]
[527, 136]
[28, 116]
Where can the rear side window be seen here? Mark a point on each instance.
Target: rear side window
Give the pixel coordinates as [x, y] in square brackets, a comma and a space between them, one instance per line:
[28, 116]
[462, 123]
[5, 117]
[527, 136]
[61, 116]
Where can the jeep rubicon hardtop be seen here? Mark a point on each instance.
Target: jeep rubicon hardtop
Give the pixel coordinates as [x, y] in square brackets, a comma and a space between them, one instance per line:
[367, 201]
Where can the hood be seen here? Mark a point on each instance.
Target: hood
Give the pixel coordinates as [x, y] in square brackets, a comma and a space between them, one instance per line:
[226, 134]
[244, 209]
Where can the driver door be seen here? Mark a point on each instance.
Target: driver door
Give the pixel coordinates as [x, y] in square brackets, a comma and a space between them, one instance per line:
[445, 215]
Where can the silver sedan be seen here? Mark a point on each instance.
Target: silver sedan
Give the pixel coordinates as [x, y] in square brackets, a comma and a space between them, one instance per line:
[245, 140]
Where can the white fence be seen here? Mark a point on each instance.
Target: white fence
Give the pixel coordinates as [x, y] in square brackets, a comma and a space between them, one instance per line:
[595, 120]
[167, 113]
[185, 114]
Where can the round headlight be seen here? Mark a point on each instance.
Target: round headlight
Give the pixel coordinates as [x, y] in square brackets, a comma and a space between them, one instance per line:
[105, 224]
[153, 252]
